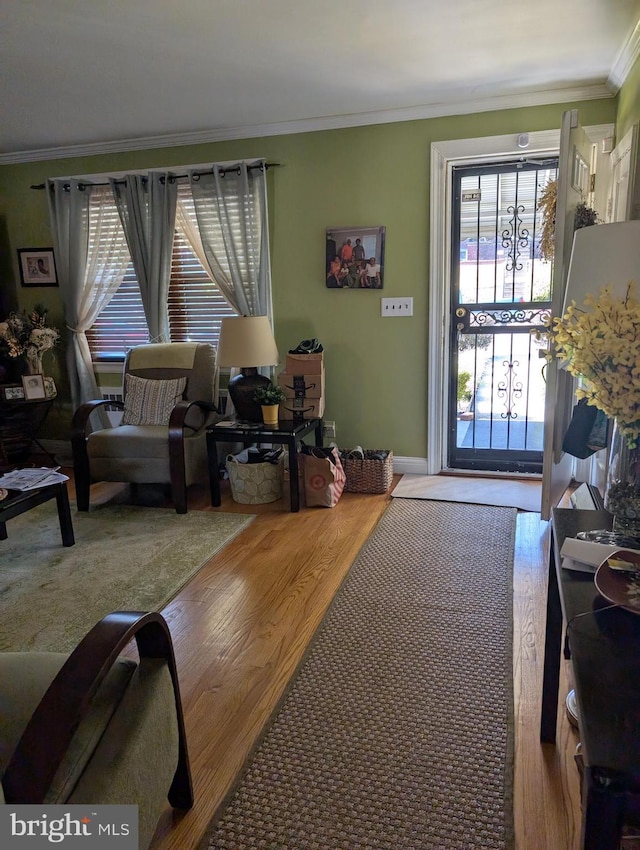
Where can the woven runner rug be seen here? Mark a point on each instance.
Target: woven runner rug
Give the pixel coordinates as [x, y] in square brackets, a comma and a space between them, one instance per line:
[396, 732]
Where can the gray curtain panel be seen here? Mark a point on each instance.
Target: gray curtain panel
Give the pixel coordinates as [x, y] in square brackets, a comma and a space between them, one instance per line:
[147, 208]
[231, 208]
[69, 214]
[89, 272]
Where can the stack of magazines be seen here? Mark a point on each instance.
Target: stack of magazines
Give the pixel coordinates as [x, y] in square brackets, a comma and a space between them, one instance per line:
[32, 479]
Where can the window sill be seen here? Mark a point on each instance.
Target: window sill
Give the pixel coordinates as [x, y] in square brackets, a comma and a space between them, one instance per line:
[107, 366]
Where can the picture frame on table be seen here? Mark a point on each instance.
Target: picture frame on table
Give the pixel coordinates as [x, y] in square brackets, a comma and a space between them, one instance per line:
[355, 257]
[12, 392]
[37, 267]
[33, 386]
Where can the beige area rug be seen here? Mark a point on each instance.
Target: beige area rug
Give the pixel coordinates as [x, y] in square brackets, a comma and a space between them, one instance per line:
[397, 730]
[501, 492]
[125, 558]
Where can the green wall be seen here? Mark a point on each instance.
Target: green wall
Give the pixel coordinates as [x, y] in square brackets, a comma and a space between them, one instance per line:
[629, 102]
[378, 175]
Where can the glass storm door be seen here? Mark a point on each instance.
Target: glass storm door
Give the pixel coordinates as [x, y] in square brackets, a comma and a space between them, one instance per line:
[500, 297]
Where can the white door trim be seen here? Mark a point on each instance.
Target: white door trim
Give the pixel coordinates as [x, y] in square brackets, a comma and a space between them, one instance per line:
[444, 155]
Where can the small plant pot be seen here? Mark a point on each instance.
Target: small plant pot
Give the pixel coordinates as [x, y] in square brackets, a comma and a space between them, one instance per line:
[270, 413]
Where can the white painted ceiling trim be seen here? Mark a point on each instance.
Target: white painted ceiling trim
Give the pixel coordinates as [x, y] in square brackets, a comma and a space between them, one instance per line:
[332, 122]
[625, 60]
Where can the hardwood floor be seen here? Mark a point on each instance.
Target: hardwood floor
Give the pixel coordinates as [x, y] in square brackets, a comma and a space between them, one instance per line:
[243, 622]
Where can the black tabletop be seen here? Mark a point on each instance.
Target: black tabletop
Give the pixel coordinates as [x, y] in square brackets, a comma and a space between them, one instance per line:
[605, 652]
[285, 427]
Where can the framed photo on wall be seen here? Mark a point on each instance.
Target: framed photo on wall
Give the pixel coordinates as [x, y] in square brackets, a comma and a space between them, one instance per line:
[37, 267]
[355, 257]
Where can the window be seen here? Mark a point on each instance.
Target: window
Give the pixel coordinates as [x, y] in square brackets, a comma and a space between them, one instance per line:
[196, 305]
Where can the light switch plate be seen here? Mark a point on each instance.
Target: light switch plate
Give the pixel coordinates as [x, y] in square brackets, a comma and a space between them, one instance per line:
[396, 306]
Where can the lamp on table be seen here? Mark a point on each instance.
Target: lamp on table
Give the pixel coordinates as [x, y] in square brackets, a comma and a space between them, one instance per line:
[247, 342]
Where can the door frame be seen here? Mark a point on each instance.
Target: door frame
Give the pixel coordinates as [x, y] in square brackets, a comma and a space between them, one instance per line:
[444, 155]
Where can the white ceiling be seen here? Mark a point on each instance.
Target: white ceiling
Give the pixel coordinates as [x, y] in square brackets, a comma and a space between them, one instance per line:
[93, 75]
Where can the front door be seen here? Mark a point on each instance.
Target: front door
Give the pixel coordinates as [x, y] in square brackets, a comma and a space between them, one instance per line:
[500, 297]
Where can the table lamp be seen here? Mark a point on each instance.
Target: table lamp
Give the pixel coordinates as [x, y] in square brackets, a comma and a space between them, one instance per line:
[247, 342]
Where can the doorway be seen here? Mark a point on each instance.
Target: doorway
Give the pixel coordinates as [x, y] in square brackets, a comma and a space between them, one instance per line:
[500, 296]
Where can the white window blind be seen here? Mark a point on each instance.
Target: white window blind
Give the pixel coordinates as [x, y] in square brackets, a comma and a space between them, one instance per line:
[196, 305]
[121, 324]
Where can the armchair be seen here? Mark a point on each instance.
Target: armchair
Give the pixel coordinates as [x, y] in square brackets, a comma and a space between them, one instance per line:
[95, 727]
[168, 401]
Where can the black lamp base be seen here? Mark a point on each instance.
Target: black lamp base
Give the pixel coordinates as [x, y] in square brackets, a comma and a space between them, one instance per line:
[241, 391]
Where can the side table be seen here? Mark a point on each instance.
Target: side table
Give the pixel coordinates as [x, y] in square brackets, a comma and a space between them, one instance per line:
[286, 433]
[20, 421]
[21, 502]
[603, 643]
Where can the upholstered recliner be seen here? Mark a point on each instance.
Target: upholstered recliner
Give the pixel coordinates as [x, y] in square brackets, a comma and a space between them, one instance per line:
[95, 727]
[169, 399]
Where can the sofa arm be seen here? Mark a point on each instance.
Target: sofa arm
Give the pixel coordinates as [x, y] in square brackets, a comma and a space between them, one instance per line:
[48, 734]
[79, 433]
[81, 416]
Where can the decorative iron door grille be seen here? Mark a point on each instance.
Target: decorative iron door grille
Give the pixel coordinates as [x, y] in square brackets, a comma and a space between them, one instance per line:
[500, 297]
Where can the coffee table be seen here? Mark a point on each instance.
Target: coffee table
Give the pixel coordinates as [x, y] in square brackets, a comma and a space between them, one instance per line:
[19, 502]
[286, 433]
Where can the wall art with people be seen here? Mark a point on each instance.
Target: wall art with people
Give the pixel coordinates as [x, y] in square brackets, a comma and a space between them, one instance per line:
[355, 258]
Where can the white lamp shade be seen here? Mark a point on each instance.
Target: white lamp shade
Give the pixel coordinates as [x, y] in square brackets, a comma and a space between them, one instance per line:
[247, 341]
[603, 255]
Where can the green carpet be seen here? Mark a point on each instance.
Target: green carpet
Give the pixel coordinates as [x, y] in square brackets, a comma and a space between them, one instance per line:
[125, 558]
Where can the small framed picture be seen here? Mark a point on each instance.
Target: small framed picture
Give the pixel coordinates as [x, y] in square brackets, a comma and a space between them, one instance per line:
[37, 267]
[33, 386]
[355, 257]
[13, 392]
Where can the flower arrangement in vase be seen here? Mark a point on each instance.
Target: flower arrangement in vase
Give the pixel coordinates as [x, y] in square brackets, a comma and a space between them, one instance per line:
[600, 343]
[28, 335]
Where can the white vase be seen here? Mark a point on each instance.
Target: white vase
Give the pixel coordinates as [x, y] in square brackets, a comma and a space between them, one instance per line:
[34, 362]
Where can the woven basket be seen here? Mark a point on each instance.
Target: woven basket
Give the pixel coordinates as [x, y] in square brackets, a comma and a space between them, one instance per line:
[368, 475]
[255, 483]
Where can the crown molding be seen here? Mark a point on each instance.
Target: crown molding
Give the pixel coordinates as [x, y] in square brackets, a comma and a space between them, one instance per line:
[625, 60]
[332, 122]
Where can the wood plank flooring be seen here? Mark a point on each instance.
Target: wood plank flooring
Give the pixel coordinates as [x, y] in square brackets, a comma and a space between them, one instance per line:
[242, 624]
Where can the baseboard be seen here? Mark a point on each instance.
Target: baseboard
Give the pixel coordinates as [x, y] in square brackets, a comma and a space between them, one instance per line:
[61, 450]
[410, 465]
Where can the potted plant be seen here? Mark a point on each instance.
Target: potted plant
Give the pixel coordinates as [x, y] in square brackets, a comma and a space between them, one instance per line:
[269, 398]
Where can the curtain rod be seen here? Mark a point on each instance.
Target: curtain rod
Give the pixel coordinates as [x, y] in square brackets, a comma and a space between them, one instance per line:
[266, 165]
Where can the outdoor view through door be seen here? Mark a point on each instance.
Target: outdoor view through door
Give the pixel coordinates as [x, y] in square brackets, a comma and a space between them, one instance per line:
[500, 295]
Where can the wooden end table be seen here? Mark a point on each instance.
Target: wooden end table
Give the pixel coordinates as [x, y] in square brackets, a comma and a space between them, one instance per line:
[20, 502]
[286, 433]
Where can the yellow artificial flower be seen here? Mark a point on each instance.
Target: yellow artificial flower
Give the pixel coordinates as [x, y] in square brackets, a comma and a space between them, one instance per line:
[600, 343]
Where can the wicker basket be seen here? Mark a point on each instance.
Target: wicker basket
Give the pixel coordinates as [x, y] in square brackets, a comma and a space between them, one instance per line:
[369, 474]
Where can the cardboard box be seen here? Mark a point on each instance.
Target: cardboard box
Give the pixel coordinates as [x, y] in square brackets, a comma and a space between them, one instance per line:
[303, 408]
[305, 364]
[302, 386]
